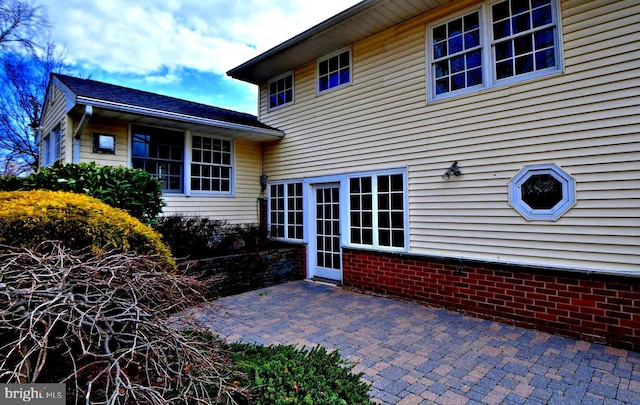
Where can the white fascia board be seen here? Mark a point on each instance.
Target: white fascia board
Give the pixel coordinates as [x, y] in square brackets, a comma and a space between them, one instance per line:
[176, 116]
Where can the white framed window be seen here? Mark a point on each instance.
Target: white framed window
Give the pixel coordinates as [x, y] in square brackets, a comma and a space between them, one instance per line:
[334, 71]
[164, 153]
[542, 192]
[46, 151]
[281, 91]
[286, 211]
[377, 211]
[497, 43]
[51, 147]
[211, 164]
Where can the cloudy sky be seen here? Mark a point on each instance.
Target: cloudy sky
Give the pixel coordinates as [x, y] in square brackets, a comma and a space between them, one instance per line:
[180, 48]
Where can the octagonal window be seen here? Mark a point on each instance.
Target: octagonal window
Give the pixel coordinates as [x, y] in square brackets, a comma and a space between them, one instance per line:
[542, 192]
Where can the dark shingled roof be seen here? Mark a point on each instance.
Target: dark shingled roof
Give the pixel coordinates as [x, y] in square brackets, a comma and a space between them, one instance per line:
[138, 98]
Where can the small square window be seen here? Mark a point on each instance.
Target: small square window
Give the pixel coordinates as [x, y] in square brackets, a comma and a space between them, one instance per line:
[104, 143]
[281, 91]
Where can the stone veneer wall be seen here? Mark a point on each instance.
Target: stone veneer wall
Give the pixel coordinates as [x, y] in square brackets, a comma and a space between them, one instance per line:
[598, 308]
[239, 273]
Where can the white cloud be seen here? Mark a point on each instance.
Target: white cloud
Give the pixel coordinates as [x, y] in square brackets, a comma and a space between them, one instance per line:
[145, 37]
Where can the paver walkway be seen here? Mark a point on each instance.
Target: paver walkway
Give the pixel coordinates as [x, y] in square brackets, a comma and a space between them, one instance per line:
[413, 354]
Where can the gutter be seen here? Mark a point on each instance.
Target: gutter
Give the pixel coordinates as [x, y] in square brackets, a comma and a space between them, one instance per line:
[88, 111]
[274, 133]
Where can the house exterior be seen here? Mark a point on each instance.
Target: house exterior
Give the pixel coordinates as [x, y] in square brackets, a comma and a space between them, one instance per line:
[208, 159]
[483, 156]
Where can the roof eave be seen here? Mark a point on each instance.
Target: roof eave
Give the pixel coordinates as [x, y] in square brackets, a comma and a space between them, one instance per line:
[272, 134]
[240, 72]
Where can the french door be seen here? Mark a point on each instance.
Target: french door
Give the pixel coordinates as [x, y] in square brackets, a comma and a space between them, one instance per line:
[326, 256]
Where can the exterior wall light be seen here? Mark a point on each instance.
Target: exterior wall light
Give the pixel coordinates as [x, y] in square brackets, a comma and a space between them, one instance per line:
[263, 182]
[453, 169]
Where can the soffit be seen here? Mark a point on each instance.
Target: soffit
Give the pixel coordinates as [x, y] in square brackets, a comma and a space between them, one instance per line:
[352, 25]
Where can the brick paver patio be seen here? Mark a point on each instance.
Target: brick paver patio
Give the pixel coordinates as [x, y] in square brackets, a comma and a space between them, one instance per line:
[412, 354]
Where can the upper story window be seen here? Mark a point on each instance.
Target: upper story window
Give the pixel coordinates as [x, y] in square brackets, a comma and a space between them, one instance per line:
[334, 71]
[281, 91]
[495, 44]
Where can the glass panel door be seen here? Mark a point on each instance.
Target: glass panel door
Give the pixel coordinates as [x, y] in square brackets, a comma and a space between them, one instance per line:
[328, 260]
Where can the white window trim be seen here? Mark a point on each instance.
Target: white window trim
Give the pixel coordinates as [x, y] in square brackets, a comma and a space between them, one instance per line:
[293, 91]
[553, 214]
[187, 160]
[285, 192]
[489, 80]
[374, 188]
[348, 49]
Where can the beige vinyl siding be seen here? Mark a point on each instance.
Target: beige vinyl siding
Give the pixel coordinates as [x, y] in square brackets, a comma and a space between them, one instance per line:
[240, 208]
[56, 116]
[585, 120]
[107, 127]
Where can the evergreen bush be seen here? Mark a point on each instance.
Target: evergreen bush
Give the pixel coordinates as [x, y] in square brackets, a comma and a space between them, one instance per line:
[286, 374]
[28, 218]
[132, 190]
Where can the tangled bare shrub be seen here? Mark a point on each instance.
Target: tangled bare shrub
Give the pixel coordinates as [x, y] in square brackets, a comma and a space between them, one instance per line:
[101, 325]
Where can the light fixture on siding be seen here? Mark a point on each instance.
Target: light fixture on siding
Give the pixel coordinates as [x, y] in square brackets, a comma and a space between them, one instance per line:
[453, 169]
[263, 182]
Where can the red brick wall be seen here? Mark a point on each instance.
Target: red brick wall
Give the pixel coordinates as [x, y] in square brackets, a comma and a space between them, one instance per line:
[599, 308]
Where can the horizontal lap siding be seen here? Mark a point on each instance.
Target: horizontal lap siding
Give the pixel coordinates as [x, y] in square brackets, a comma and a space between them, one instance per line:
[584, 120]
[56, 116]
[119, 129]
[243, 207]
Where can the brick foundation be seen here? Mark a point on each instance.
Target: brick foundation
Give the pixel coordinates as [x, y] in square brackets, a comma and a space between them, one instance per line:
[598, 308]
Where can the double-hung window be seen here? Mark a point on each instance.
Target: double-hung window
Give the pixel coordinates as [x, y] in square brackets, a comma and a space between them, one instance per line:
[334, 71]
[286, 212]
[281, 91]
[377, 211]
[211, 169]
[497, 43]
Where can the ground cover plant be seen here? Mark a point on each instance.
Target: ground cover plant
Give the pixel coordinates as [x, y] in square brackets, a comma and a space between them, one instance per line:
[286, 374]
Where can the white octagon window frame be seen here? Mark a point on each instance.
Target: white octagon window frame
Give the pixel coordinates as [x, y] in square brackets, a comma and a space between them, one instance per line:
[552, 214]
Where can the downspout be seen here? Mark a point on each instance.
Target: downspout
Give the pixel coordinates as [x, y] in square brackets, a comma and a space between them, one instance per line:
[88, 111]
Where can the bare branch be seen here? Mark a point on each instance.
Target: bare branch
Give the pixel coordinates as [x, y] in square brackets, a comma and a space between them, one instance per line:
[107, 322]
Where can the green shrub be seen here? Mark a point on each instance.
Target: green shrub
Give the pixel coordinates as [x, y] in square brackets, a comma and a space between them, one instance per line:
[28, 218]
[132, 190]
[190, 236]
[196, 237]
[290, 375]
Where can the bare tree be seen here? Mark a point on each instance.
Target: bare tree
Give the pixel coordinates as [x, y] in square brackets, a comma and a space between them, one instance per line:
[22, 24]
[24, 79]
[27, 59]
